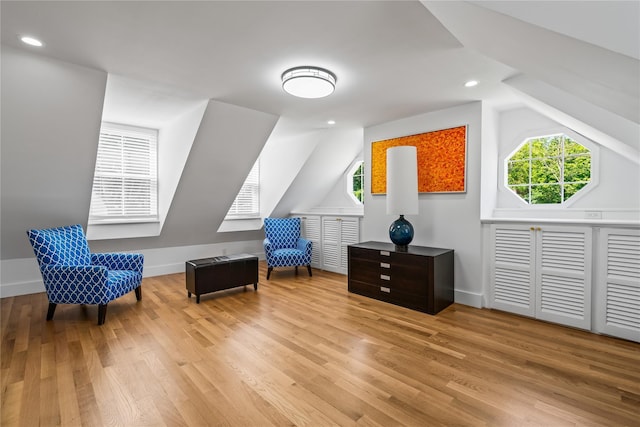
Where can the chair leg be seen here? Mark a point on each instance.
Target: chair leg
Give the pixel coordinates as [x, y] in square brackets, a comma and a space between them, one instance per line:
[296, 270]
[139, 293]
[102, 313]
[51, 310]
[309, 270]
[269, 272]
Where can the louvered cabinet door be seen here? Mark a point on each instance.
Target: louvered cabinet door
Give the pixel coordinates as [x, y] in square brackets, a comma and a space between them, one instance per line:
[349, 234]
[337, 234]
[618, 287]
[513, 269]
[563, 275]
[311, 230]
[330, 244]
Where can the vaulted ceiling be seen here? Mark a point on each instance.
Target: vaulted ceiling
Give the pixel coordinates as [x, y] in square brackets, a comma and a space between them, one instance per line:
[393, 59]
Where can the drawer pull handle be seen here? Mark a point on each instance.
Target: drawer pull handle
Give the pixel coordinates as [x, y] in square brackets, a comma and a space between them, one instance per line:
[385, 265]
[385, 253]
[385, 277]
[387, 290]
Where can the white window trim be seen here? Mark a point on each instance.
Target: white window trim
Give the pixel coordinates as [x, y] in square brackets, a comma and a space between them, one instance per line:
[151, 216]
[595, 166]
[351, 171]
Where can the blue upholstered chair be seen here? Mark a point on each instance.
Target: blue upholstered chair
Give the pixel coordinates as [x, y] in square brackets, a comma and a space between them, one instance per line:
[73, 275]
[283, 245]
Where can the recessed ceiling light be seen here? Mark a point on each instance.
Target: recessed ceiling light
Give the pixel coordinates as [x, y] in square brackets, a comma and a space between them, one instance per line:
[308, 82]
[331, 122]
[31, 41]
[471, 83]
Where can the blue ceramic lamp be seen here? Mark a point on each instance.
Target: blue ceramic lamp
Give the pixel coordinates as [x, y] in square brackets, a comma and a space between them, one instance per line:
[402, 193]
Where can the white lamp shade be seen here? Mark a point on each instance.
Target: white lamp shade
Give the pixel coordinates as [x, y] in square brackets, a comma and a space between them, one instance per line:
[402, 180]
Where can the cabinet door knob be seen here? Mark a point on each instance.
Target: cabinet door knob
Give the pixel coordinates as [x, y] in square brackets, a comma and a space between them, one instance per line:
[532, 229]
[387, 290]
[385, 277]
[385, 253]
[385, 265]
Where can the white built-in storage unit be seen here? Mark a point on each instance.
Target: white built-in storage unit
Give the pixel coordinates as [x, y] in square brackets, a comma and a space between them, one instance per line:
[565, 273]
[310, 229]
[331, 235]
[543, 272]
[617, 295]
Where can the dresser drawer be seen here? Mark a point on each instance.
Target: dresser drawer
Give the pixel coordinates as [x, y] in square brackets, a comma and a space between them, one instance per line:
[368, 254]
[390, 295]
[365, 270]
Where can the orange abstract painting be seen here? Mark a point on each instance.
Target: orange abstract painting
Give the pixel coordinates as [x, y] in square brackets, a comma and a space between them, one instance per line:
[441, 160]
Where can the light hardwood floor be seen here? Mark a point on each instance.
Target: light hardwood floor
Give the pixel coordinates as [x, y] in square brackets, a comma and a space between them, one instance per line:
[303, 351]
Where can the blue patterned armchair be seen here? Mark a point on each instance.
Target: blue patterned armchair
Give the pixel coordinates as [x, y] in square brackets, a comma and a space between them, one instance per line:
[73, 275]
[283, 245]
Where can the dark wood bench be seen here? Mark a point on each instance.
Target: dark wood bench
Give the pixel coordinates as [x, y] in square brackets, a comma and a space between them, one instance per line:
[222, 272]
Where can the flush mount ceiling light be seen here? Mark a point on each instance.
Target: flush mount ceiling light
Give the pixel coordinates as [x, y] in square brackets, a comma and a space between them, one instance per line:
[308, 82]
[31, 41]
[471, 83]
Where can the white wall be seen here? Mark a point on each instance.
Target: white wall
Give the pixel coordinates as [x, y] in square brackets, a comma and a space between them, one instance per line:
[446, 220]
[175, 141]
[322, 170]
[50, 127]
[489, 161]
[615, 194]
[338, 197]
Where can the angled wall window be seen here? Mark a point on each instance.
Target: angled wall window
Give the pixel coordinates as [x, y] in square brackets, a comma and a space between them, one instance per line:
[355, 183]
[125, 183]
[548, 170]
[247, 202]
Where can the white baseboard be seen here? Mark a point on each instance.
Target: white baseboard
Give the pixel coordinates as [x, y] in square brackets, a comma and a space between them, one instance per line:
[468, 298]
[22, 276]
[21, 288]
[161, 270]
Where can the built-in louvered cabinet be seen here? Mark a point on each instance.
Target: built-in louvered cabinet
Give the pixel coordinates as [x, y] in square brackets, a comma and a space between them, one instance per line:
[331, 236]
[514, 269]
[310, 227]
[543, 272]
[618, 285]
[337, 234]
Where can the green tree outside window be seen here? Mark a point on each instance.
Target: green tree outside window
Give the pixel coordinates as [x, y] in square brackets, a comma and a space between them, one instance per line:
[357, 181]
[548, 169]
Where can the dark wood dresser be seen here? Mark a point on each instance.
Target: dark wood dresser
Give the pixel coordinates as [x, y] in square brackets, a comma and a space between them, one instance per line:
[420, 278]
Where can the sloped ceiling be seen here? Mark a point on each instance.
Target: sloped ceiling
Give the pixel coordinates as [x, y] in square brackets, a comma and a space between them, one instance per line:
[612, 25]
[392, 59]
[589, 88]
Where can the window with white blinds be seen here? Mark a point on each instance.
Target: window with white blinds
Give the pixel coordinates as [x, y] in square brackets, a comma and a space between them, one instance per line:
[125, 183]
[247, 202]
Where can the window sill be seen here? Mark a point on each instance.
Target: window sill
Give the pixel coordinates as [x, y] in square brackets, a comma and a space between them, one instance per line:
[594, 217]
[129, 230]
[228, 226]
[123, 221]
